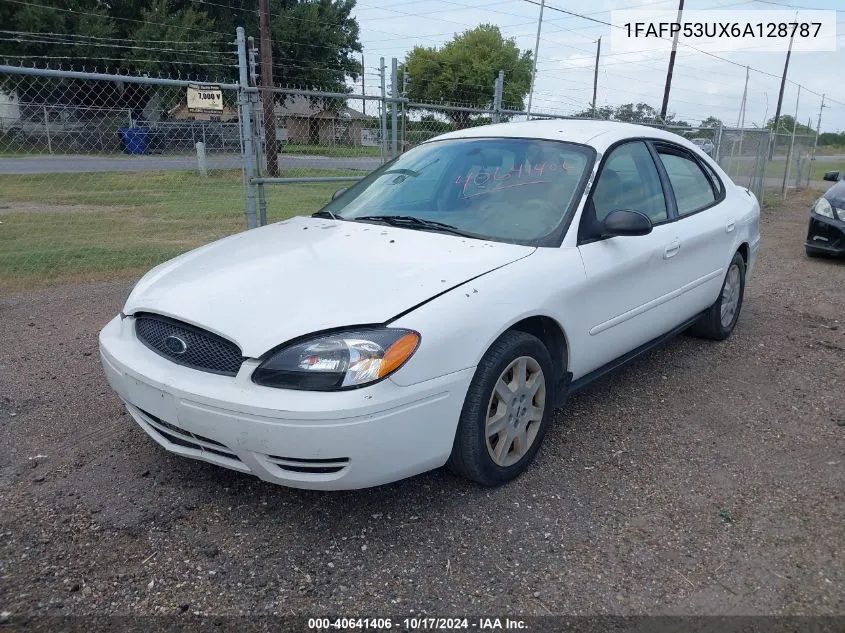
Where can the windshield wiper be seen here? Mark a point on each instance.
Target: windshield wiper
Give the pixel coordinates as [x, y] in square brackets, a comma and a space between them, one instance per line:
[326, 214]
[411, 222]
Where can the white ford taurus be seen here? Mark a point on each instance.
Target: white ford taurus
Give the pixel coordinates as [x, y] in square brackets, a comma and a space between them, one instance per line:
[437, 311]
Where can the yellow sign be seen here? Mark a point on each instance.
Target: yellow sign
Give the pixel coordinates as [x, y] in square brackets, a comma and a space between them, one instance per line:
[205, 98]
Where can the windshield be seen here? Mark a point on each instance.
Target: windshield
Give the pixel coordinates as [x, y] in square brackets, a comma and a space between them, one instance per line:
[507, 189]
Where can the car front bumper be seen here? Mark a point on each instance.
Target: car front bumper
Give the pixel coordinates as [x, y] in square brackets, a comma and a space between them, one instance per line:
[339, 440]
[826, 235]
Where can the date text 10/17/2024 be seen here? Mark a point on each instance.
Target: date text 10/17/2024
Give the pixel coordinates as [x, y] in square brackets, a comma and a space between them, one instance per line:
[416, 624]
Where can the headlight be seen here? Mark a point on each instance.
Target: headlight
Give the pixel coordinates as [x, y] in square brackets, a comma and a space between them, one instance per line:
[343, 360]
[822, 207]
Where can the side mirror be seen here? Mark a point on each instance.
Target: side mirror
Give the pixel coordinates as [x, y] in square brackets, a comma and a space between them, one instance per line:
[832, 176]
[337, 194]
[626, 222]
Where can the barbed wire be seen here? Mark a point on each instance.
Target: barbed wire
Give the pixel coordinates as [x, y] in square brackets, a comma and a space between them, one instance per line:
[112, 45]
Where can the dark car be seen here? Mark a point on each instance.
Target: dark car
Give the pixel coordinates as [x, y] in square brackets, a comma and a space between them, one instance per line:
[826, 235]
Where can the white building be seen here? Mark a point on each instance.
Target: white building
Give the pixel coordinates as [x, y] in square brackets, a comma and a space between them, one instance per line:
[10, 110]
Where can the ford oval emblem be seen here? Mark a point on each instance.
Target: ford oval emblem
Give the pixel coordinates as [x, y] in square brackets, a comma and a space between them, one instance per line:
[175, 345]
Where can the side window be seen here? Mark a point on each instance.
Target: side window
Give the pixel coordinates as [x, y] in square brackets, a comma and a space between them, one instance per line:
[691, 186]
[717, 184]
[628, 180]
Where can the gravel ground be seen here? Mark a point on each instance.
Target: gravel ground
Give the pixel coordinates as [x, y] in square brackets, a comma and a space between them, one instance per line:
[706, 478]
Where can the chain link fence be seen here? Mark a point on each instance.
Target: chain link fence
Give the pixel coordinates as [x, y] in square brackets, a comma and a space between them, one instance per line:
[103, 176]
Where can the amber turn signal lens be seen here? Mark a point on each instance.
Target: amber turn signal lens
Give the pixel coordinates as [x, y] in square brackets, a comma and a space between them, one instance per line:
[398, 353]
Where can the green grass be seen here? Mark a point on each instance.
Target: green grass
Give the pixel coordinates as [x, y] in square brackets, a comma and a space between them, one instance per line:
[56, 228]
[335, 151]
[776, 168]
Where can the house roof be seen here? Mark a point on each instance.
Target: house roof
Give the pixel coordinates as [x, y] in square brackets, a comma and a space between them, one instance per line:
[305, 107]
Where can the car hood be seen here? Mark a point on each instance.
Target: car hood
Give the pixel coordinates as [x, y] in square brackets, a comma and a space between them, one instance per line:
[266, 286]
[836, 195]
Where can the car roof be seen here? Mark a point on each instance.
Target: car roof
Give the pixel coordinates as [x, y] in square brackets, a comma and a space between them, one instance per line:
[598, 134]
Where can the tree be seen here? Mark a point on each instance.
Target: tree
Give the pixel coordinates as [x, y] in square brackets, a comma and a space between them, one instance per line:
[313, 40]
[832, 138]
[464, 71]
[785, 124]
[711, 122]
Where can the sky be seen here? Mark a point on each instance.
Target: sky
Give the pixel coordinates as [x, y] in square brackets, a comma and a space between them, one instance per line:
[702, 86]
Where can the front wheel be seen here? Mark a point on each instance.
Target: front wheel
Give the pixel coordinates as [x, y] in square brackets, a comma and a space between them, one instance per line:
[720, 319]
[507, 411]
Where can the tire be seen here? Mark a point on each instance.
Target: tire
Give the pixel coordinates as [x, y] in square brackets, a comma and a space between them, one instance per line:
[473, 452]
[711, 325]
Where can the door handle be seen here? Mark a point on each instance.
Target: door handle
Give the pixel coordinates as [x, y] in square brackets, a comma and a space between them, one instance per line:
[730, 226]
[672, 249]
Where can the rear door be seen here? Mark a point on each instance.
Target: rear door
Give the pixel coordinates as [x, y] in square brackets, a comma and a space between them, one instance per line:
[705, 228]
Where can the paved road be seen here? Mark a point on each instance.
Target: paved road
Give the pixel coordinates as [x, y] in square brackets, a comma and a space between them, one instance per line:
[89, 164]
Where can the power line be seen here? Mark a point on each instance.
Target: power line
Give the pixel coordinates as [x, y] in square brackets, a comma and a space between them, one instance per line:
[112, 17]
[94, 37]
[111, 45]
[709, 54]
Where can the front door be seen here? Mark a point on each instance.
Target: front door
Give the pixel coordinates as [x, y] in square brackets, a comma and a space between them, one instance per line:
[631, 281]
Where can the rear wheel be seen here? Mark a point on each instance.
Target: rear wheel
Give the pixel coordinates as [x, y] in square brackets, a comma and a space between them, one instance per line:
[720, 319]
[507, 411]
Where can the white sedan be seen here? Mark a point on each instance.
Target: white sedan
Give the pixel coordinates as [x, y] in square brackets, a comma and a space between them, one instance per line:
[439, 310]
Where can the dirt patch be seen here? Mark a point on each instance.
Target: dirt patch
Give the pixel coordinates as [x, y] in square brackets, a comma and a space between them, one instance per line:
[707, 478]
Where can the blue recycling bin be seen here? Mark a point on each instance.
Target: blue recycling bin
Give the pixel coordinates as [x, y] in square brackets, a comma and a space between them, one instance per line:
[134, 139]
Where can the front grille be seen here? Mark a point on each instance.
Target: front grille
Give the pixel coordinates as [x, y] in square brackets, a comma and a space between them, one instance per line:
[188, 345]
[187, 439]
[310, 466]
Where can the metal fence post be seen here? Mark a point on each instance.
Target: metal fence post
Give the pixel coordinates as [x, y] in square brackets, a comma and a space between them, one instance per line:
[497, 96]
[47, 130]
[770, 145]
[246, 130]
[815, 143]
[260, 154]
[394, 110]
[383, 112]
[718, 149]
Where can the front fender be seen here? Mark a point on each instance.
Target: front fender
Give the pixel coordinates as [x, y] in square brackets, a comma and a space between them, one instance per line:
[458, 327]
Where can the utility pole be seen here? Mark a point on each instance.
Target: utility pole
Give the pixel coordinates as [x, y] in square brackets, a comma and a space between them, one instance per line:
[816, 141]
[253, 67]
[497, 96]
[363, 91]
[536, 50]
[780, 96]
[740, 122]
[268, 100]
[791, 146]
[596, 76]
[665, 105]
